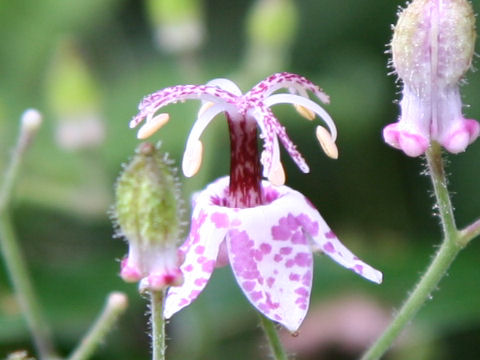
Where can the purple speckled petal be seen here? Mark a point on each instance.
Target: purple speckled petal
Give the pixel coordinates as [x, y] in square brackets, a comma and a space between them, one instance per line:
[153, 102]
[323, 236]
[271, 128]
[288, 81]
[298, 207]
[272, 260]
[209, 227]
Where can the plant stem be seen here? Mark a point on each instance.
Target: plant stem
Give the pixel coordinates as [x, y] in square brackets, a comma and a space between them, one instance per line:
[158, 325]
[276, 346]
[24, 292]
[14, 261]
[470, 232]
[114, 307]
[440, 185]
[447, 252]
[437, 269]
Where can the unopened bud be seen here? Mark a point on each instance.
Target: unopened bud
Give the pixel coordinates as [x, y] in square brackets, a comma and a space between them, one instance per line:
[432, 48]
[147, 211]
[434, 38]
[273, 22]
[73, 95]
[31, 120]
[178, 24]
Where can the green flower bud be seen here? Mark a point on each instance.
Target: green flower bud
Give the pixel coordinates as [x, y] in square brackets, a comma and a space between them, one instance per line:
[73, 94]
[273, 22]
[148, 211]
[178, 24]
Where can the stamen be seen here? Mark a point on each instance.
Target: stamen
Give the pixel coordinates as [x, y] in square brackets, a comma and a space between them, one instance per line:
[192, 158]
[277, 175]
[205, 106]
[326, 142]
[152, 125]
[306, 113]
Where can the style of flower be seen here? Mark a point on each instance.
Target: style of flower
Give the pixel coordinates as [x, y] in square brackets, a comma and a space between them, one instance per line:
[265, 230]
[432, 48]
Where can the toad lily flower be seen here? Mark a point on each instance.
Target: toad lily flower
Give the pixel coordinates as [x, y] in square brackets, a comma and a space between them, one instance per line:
[432, 48]
[265, 230]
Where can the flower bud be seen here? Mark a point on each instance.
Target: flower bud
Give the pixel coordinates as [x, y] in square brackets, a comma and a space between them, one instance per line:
[432, 48]
[271, 28]
[178, 25]
[147, 211]
[272, 23]
[74, 97]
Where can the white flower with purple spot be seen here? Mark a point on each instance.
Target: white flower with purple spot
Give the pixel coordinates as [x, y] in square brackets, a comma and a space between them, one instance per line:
[266, 231]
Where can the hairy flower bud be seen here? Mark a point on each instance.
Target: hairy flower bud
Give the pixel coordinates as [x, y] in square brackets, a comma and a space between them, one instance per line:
[432, 48]
[147, 210]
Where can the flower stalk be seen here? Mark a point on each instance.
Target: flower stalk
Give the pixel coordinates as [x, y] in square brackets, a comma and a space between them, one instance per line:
[158, 324]
[276, 347]
[116, 304]
[453, 242]
[12, 254]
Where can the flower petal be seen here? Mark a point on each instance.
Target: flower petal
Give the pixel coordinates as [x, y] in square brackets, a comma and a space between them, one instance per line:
[272, 260]
[305, 103]
[271, 128]
[209, 227]
[286, 80]
[153, 102]
[313, 224]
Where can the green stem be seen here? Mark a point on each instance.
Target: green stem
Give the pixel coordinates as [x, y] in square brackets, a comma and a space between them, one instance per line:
[470, 232]
[437, 269]
[24, 292]
[114, 307]
[276, 346]
[158, 325]
[442, 196]
[14, 261]
[445, 255]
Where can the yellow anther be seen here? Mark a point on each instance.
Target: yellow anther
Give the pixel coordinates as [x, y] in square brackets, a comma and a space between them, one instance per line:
[326, 142]
[306, 113]
[192, 158]
[277, 175]
[207, 105]
[152, 125]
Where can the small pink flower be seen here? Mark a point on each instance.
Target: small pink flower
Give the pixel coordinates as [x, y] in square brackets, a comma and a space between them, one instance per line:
[432, 48]
[266, 231]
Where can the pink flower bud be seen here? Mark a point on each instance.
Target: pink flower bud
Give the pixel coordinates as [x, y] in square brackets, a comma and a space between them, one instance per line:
[432, 48]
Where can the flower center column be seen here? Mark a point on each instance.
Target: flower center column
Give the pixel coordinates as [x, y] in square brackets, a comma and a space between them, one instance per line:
[245, 173]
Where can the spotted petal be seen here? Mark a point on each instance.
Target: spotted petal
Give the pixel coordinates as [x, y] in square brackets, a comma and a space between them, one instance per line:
[323, 236]
[208, 230]
[153, 102]
[274, 269]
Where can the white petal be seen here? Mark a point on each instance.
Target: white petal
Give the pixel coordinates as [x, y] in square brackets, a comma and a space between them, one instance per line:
[306, 103]
[275, 273]
[209, 225]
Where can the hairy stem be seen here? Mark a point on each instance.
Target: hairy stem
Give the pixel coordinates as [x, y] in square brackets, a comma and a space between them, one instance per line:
[276, 346]
[445, 255]
[158, 325]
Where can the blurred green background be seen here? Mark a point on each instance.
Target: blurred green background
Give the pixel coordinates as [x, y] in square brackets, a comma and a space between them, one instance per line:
[86, 64]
